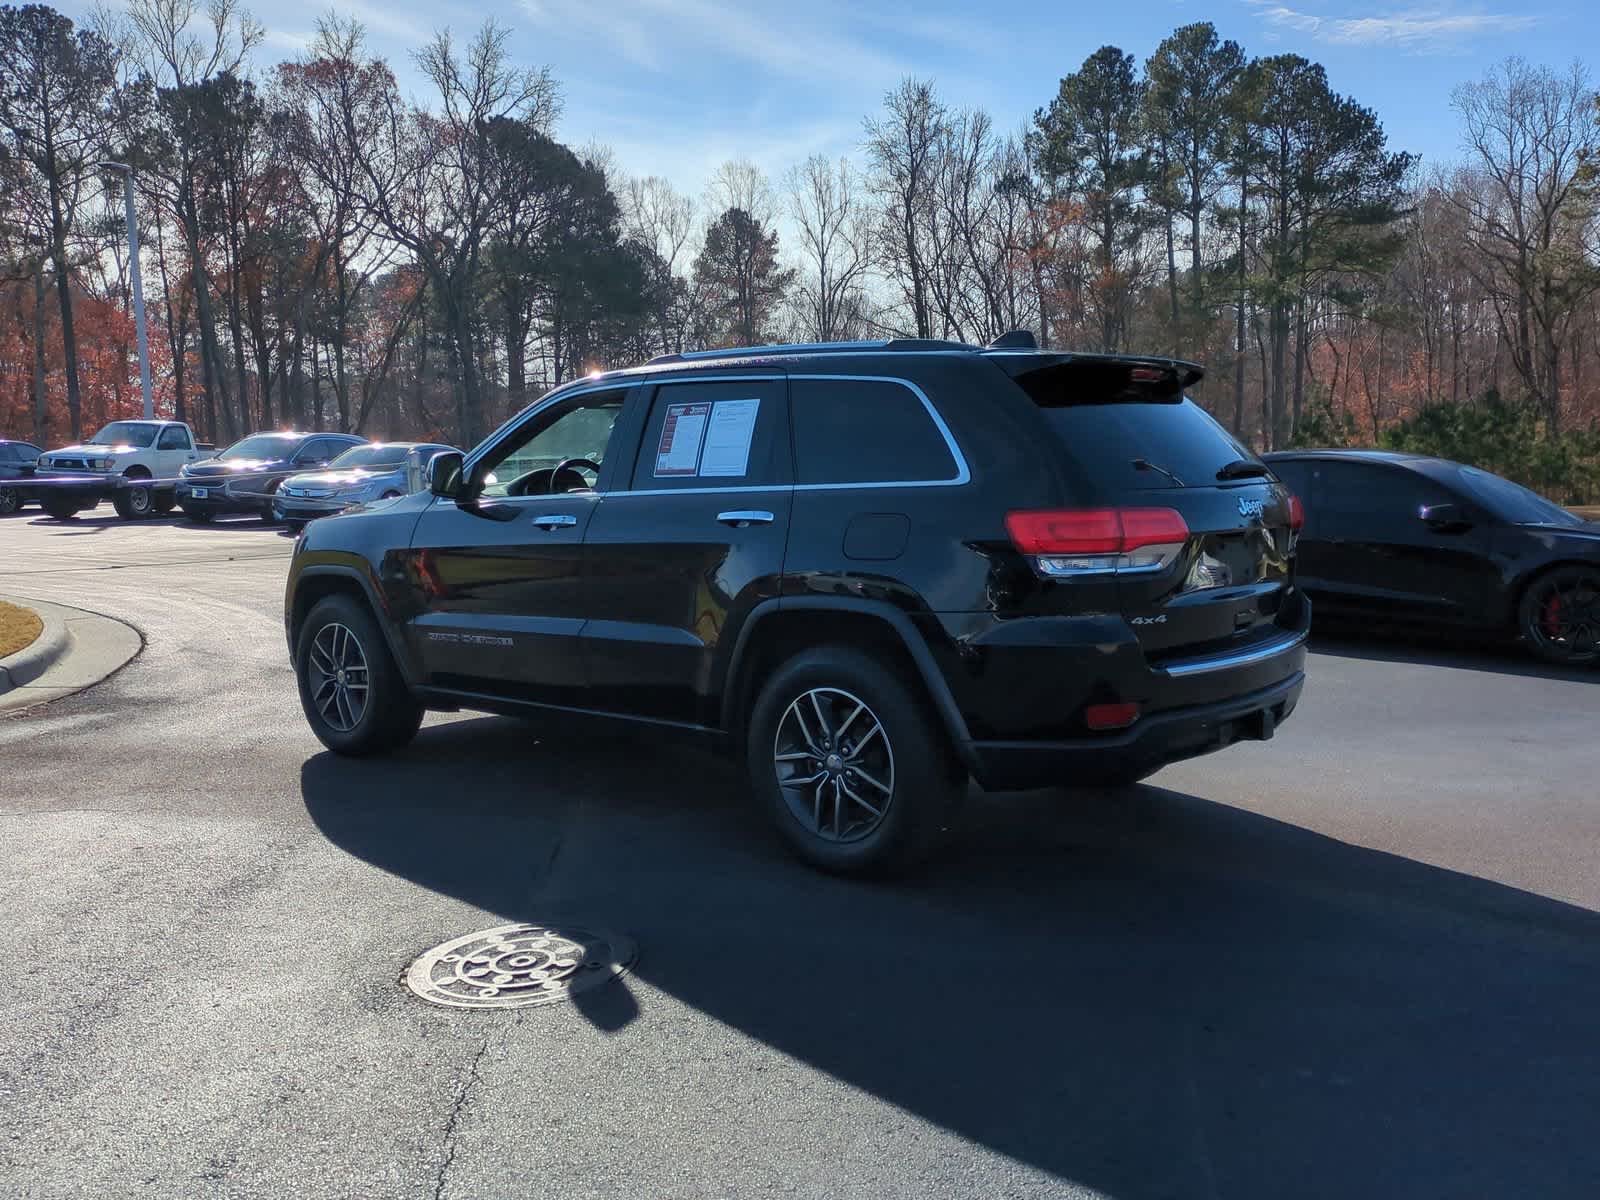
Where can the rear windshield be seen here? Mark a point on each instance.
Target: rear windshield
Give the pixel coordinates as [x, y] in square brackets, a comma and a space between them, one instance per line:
[372, 456]
[1106, 432]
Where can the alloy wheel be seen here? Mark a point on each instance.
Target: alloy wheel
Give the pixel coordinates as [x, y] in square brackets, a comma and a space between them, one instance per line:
[835, 765]
[9, 501]
[1567, 622]
[337, 677]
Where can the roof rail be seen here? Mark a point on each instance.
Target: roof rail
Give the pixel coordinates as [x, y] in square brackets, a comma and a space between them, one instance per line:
[891, 345]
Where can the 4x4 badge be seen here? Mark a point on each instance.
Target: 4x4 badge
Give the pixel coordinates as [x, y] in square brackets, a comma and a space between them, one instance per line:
[1251, 508]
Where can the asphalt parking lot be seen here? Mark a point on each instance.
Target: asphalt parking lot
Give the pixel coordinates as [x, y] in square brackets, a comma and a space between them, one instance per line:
[1360, 960]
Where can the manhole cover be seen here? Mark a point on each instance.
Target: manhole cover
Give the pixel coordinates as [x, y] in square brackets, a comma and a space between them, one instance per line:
[512, 966]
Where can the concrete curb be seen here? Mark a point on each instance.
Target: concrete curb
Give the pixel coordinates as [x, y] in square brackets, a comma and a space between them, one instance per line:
[85, 648]
[39, 655]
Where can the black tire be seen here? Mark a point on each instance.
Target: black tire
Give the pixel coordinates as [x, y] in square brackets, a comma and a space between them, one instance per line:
[909, 751]
[164, 502]
[133, 503]
[10, 501]
[1559, 616]
[388, 715]
[200, 516]
[59, 507]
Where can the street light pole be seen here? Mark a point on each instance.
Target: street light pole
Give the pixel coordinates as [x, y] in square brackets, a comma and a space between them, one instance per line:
[138, 290]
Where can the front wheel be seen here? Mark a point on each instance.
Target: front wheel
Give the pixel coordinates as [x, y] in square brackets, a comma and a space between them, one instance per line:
[164, 502]
[1559, 616]
[199, 516]
[855, 772]
[351, 690]
[9, 501]
[60, 508]
[133, 503]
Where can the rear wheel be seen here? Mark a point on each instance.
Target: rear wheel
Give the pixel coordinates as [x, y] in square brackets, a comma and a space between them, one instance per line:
[1559, 616]
[350, 688]
[164, 502]
[851, 767]
[9, 501]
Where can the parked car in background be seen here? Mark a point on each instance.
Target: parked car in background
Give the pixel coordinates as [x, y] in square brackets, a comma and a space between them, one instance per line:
[17, 461]
[243, 478]
[118, 462]
[1411, 540]
[361, 475]
[871, 569]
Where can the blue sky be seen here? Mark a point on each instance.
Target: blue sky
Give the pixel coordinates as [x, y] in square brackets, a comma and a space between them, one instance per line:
[677, 86]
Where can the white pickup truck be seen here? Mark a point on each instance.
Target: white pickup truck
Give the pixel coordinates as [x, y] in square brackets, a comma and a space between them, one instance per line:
[129, 461]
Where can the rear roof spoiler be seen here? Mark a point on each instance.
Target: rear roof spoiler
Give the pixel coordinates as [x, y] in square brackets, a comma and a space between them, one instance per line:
[1163, 376]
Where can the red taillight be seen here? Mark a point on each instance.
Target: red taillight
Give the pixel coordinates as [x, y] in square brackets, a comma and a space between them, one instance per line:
[1095, 531]
[1297, 513]
[1110, 716]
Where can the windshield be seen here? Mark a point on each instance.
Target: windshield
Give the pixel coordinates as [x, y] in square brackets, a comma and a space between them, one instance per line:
[1513, 502]
[261, 446]
[372, 455]
[125, 433]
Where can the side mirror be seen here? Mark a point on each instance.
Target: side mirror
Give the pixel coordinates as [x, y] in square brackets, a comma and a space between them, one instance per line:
[1444, 518]
[444, 474]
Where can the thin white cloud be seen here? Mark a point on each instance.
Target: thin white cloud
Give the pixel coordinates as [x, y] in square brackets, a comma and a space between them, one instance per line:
[285, 39]
[656, 34]
[1429, 30]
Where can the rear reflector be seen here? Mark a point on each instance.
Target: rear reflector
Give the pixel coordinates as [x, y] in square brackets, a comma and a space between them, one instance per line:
[1098, 541]
[1297, 513]
[1110, 716]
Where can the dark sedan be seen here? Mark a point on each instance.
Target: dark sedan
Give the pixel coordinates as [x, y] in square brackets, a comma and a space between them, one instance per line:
[243, 478]
[1405, 539]
[17, 460]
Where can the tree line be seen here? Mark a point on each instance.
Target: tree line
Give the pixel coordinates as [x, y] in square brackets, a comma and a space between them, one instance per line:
[322, 251]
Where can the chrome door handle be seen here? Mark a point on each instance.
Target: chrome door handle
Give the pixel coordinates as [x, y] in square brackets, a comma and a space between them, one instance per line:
[555, 521]
[745, 516]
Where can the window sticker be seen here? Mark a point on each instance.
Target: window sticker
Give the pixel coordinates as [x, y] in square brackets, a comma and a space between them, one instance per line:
[728, 436]
[678, 452]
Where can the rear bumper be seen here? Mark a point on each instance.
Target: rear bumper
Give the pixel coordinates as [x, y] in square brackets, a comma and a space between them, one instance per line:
[1152, 742]
[1023, 689]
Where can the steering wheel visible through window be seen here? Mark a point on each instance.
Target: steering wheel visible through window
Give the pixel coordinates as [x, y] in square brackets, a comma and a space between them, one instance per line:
[560, 450]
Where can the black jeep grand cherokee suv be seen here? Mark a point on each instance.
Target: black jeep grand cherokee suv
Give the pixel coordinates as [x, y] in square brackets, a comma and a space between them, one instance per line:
[874, 568]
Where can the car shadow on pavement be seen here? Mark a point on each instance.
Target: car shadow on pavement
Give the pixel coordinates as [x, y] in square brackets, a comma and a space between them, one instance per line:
[1150, 994]
[83, 524]
[1465, 654]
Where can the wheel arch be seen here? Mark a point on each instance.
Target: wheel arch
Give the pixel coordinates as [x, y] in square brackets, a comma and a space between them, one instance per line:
[778, 628]
[1519, 589]
[316, 583]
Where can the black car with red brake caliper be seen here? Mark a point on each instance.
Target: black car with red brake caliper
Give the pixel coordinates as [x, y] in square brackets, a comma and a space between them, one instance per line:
[872, 570]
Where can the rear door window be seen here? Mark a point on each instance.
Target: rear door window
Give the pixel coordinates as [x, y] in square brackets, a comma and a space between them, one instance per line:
[867, 431]
[714, 434]
[1372, 500]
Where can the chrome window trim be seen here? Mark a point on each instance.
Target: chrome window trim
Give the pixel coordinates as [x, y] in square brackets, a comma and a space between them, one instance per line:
[1242, 658]
[963, 471]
